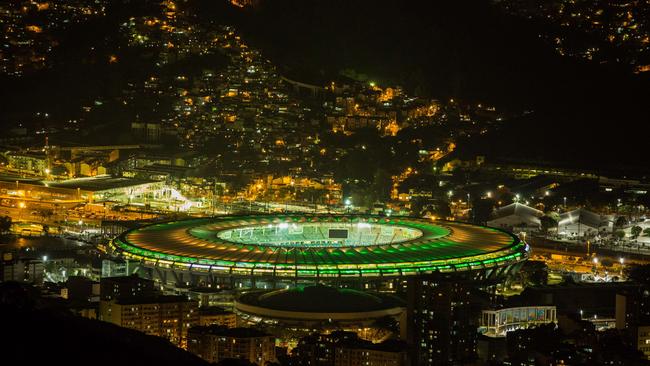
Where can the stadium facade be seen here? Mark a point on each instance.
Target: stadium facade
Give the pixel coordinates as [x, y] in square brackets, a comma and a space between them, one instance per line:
[274, 251]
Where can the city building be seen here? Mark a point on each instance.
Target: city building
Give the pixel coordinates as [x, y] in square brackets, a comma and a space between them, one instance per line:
[633, 317]
[516, 216]
[215, 251]
[581, 222]
[116, 267]
[496, 323]
[214, 315]
[112, 288]
[632, 308]
[82, 289]
[295, 312]
[164, 316]
[442, 322]
[215, 343]
[344, 348]
[13, 268]
[211, 296]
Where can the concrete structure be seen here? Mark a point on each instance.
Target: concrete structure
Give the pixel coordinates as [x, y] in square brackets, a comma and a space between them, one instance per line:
[117, 268]
[342, 348]
[100, 188]
[215, 343]
[441, 328]
[516, 216]
[318, 307]
[215, 315]
[496, 323]
[82, 289]
[125, 287]
[168, 317]
[211, 296]
[633, 316]
[246, 251]
[581, 222]
[642, 337]
[29, 270]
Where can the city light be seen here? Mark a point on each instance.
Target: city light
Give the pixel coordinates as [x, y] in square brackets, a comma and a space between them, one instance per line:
[214, 163]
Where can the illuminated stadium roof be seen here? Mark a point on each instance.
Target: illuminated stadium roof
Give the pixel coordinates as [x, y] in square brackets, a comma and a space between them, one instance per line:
[308, 246]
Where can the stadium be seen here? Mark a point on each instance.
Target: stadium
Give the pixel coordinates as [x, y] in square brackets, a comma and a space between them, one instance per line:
[269, 251]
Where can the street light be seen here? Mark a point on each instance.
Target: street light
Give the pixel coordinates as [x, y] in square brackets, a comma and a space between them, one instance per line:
[622, 261]
[348, 203]
[564, 202]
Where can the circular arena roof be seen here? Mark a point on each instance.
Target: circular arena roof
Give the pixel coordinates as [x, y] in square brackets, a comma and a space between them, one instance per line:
[320, 246]
[320, 299]
[317, 303]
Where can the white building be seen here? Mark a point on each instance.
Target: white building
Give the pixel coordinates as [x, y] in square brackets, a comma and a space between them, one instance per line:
[516, 216]
[581, 222]
[496, 323]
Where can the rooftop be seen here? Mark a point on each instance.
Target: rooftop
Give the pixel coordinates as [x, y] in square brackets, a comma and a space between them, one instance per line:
[158, 299]
[213, 310]
[322, 245]
[219, 330]
[99, 183]
[321, 299]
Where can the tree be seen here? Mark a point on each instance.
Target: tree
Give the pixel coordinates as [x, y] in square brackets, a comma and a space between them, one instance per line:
[45, 214]
[636, 231]
[621, 221]
[606, 262]
[481, 210]
[5, 224]
[619, 234]
[534, 273]
[646, 231]
[639, 274]
[442, 210]
[547, 223]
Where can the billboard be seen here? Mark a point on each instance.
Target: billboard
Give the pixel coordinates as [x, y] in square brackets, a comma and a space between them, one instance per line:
[338, 233]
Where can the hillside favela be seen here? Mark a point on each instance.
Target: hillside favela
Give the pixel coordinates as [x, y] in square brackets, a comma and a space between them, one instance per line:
[324, 182]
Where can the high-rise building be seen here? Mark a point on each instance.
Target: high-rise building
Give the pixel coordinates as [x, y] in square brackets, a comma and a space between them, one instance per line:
[116, 267]
[21, 269]
[633, 316]
[215, 343]
[442, 323]
[341, 348]
[169, 317]
[82, 289]
[216, 315]
[632, 308]
[125, 287]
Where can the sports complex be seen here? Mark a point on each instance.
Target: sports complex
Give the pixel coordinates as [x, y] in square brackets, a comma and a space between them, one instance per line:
[247, 251]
